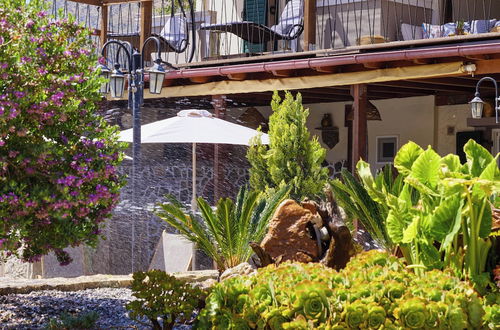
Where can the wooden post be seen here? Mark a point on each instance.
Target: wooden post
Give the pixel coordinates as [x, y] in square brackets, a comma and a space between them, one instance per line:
[348, 124]
[104, 24]
[359, 124]
[145, 25]
[219, 104]
[309, 24]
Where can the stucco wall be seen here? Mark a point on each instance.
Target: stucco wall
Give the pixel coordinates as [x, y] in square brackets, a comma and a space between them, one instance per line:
[453, 117]
[408, 119]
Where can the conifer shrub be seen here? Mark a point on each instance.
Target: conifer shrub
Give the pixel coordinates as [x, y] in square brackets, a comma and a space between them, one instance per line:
[292, 158]
[374, 291]
[58, 157]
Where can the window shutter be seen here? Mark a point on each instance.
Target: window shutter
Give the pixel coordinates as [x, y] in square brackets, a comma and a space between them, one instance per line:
[255, 11]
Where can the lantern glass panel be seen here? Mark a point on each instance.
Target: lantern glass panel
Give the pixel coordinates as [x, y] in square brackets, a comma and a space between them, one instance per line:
[117, 84]
[156, 82]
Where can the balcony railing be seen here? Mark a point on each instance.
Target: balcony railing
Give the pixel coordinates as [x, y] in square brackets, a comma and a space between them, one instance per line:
[209, 31]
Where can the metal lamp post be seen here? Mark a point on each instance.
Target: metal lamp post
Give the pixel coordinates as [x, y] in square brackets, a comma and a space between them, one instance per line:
[477, 104]
[135, 77]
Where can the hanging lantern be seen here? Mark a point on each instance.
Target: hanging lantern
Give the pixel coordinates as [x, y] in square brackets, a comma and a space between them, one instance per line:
[117, 82]
[105, 72]
[476, 106]
[156, 77]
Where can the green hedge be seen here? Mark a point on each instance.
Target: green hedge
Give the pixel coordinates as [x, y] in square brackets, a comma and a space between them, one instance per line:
[374, 291]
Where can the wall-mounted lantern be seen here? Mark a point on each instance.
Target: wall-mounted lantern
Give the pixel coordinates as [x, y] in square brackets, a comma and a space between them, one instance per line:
[329, 133]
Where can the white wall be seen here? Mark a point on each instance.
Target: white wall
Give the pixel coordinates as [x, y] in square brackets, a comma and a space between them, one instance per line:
[408, 119]
[453, 116]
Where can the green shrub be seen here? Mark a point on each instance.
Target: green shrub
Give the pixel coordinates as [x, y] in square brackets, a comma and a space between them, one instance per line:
[374, 291]
[163, 299]
[58, 156]
[84, 320]
[292, 157]
[224, 234]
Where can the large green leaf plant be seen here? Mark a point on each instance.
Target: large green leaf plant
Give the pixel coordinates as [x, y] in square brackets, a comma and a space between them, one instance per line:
[224, 232]
[449, 223]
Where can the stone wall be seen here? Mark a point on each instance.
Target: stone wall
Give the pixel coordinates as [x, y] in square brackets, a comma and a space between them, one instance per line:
[133, 232]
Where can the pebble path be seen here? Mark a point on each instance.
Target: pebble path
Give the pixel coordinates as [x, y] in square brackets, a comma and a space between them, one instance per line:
[35, 309]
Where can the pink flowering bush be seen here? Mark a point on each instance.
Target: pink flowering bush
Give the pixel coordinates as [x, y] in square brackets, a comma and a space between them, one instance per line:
[58, 157]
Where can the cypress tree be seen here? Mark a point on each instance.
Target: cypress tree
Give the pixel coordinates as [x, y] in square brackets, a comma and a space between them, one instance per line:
[292, 157]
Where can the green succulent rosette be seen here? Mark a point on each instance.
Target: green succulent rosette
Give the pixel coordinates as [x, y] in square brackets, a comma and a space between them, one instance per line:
[412, 313]
[394, 290]
[312, 301]
[475, 310]
[376, 316]
[436, 312]
[355, 314]
[492, 316]
[456, 318]
[274, 318]
[299, 323]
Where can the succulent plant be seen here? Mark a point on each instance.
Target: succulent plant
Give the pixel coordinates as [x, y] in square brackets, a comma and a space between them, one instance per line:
[374, 291]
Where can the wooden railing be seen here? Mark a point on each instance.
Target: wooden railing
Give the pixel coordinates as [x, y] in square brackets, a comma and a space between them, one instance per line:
[214, 29]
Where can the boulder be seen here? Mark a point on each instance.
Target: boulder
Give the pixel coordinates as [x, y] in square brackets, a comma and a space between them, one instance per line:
[288, 237]
[242, 269]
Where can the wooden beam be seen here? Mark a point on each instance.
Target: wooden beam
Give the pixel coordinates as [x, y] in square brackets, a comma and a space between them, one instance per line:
[373, 65]
[327, 69]
[200, 80]
[219, 104]
[89, 2]
[359, 125]
[487, 67]
[237, 76]
[104, 25]
[145, 25]
[283, 73]
[309, 25]
[477, 57]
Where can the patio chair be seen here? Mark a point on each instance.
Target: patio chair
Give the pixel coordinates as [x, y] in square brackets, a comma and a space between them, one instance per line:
[289, 27]
[173, 34]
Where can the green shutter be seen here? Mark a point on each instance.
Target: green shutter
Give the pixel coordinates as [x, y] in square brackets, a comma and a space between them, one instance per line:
[255, 11]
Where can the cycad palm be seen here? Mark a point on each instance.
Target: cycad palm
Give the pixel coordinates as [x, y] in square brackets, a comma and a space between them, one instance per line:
[224, 234]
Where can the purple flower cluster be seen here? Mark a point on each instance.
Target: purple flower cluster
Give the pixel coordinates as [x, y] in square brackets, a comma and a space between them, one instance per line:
[46, 105]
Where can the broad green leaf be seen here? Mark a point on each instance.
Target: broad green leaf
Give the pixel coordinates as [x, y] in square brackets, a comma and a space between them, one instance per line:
[411, 232]
[398, 219]
[429, 255]
[486, 220]
[451, 166]
[406, 156]
[478, 158]
[443, 218]
[426, 168]
[491, 171]
[366, 177]
[455, 228]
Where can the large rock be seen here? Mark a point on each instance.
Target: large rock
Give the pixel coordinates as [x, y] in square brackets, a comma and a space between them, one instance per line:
[287, 237]
[241, 270]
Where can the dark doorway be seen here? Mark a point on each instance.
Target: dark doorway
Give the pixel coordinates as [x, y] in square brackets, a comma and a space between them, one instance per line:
[463, 138]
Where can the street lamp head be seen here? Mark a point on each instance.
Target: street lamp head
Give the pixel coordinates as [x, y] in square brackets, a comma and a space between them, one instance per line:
[476, 106]
[117, 82]
[156, 77]
[104, 73]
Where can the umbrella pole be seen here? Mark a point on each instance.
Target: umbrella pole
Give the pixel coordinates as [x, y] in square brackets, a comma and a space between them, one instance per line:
[193, 203]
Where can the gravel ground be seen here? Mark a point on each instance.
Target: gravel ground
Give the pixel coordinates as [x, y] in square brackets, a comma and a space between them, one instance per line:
[34, 310]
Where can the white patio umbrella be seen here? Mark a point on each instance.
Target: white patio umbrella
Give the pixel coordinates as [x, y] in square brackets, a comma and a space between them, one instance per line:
[194, 126]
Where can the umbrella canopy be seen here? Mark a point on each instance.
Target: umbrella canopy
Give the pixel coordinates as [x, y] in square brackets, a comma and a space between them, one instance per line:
[194, 126]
